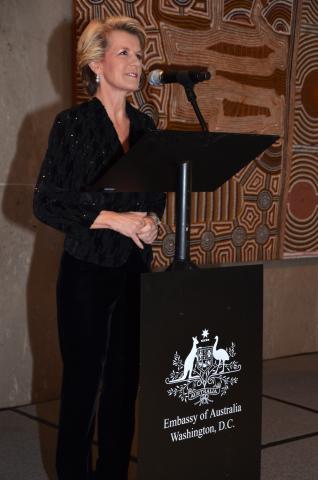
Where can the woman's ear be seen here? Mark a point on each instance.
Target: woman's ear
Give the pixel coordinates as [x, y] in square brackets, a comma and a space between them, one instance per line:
[94, 66]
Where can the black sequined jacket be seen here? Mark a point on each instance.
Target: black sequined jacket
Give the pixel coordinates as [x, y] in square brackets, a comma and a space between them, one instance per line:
[82, 144]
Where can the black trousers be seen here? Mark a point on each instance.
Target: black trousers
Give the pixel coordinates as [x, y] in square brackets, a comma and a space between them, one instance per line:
[98, 321]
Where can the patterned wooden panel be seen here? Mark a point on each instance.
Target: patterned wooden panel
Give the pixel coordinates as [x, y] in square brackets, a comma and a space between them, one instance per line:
[300, 229]
[248, 43]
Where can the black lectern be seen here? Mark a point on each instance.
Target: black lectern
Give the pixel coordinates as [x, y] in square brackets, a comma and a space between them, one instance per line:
[183, 162]
[201, 330]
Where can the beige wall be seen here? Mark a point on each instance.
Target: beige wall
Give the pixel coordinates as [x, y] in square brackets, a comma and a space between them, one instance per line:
[35, 83]
[290, 307]
[35, 52]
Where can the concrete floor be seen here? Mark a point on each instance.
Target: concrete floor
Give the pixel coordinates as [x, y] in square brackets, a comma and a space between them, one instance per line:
[289, 438]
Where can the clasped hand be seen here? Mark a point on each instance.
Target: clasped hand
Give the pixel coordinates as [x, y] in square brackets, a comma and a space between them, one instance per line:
[136, 225]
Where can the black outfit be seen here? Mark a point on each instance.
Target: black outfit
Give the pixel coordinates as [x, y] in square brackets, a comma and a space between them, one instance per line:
[97, 289]
[82, 144]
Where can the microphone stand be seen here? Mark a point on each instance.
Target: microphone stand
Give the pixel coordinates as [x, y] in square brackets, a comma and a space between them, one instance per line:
[181, 261]
[191, 96]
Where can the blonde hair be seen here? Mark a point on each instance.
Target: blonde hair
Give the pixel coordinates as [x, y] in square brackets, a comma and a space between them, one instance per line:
[93, 42]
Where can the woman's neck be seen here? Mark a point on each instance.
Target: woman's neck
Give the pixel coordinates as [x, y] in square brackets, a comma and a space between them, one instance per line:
[115, 106]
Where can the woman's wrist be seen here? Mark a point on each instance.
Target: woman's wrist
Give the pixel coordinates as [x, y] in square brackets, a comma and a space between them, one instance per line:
[105, 218]
[155, 218]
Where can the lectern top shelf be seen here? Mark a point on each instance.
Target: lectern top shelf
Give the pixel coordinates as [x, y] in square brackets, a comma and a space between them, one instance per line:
[150, 165]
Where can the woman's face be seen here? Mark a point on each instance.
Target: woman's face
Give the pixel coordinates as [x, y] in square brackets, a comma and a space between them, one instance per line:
[120, 68]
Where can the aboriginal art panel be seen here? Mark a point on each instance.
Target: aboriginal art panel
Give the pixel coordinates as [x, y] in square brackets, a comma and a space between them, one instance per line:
[300, 214]
[251, 47]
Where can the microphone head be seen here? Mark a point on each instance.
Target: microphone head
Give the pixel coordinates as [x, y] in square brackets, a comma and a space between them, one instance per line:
[154, 78]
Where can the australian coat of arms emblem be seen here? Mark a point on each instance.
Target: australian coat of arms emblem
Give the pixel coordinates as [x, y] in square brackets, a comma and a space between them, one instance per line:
[206, 372]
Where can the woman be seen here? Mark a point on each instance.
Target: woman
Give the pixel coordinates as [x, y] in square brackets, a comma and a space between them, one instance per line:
[107, 246]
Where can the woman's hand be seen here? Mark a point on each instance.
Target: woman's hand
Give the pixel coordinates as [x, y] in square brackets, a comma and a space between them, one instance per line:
[129, 224]
[149, 231]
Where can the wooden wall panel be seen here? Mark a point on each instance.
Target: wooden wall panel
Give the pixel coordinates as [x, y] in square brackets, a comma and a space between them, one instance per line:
[249, 44]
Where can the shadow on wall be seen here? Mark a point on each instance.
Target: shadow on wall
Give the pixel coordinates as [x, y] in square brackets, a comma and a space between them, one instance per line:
[17, 207]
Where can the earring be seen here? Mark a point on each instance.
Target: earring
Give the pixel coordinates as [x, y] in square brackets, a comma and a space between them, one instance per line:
[97, 78]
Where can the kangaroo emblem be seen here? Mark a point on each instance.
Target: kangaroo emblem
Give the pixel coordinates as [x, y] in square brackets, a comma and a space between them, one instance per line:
[189, 361]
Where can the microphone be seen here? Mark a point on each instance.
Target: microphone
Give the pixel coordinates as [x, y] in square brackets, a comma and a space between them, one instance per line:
[158, 77]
